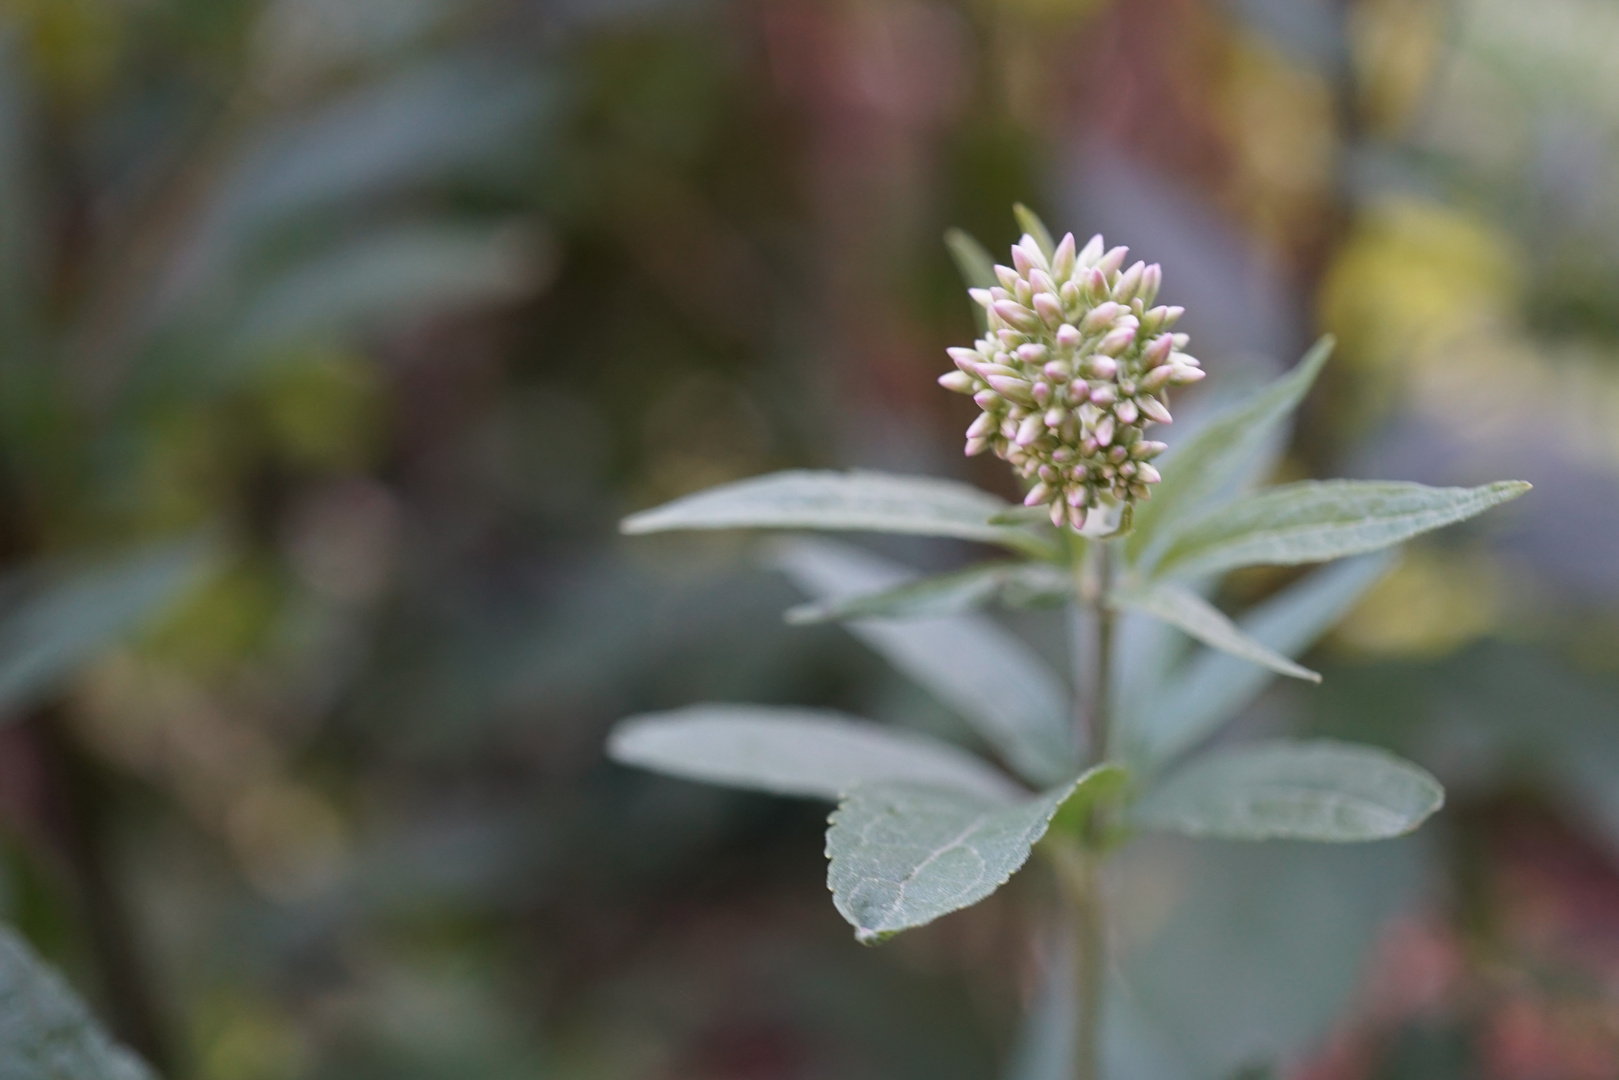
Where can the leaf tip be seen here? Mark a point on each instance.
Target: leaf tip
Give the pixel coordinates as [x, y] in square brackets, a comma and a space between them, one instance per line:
[806, 614]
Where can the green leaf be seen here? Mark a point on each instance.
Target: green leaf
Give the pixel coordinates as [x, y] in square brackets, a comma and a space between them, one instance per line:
[810, 752]
[976, 266]
[65, 623]
[1321, 520]
[404, 274]
[46, 1033]
[904, 854]
[1030, 223]
[1320, 790]
[1182, 608]
[969, 662]
[851, 501]
[1015, 584]
[1200, 466]
[1213, 686]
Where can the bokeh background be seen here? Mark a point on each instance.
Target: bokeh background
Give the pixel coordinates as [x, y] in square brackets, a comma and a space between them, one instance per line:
[336, 335]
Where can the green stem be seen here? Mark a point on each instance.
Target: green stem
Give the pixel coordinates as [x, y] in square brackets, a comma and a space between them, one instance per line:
[1082, 864]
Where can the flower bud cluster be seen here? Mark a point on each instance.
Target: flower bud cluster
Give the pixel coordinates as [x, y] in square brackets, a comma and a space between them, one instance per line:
[1077, 362]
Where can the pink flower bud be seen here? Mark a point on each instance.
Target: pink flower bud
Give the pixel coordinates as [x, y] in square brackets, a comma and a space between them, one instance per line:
[959, 381]
[981, 297]
[1013, 388]
[1055, 371]
[1007, 276]
[1116, 341]
[1104, 395]
[988, 399]
[1049, 307]
[1037, 495]
[976, 447]
[965, 359]
[1126, 412]
[1068, 336]
[1104, 367]
[1104, 431]
[1090, 252]
[1109, 264]
[1016, 315]
[1158, 350]
[984, 425]
[1040, 281]
[1146, 449]
[1147, 474]
[1079, 392]
[1029, 430]
[1158, 378]
[1055, 416]
[1032, 353]
[1100, 317]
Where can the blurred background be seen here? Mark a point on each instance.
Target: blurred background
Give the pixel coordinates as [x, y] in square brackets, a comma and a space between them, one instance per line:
[336, 335]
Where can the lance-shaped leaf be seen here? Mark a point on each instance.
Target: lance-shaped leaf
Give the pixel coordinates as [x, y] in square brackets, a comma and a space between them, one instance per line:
[976, 266]
[1183, 608]
[64, 623]
[904, 854]
[1015, 584]
[1030, 223]
[1213, 687]
[1319, 790]
[845, 501]
[46, 1033]
[1321, 520]
[1200, 466]
[969, 662]
[810, 752]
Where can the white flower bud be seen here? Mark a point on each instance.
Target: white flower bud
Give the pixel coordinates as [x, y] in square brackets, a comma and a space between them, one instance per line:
[982, 297]
[1154, 409]
[1090, 252]
[1151, 281]
[1062, 260]
[959, 381]
[1124, 290]
[1031, 429]
[1109, 264]
[1049, 308]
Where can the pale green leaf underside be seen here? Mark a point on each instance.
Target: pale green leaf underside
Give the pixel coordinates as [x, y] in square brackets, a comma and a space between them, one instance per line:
[844, 501]
[973, 260]
[904, 854]
[1321, 790]
[1197, 468]
[46, 1033]
[1212, 687]
[1015, 584]
[808, 752]
[969, 662]
[1184, 609]
[1030, 222]
[1320, 520]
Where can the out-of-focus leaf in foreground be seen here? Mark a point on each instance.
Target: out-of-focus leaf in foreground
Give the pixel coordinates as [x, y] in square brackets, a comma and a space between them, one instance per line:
[46, 1033]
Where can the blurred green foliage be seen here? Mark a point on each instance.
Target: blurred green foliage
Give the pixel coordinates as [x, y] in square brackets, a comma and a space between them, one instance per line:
[382, 312]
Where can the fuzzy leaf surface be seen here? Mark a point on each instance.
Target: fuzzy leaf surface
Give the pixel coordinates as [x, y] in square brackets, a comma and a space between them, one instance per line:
[1222, 448]
[1185, 610]
[46, 1033]
[1321, 520]
[844, 501]
[1212, 687]
[969, 662]
[904, 854]
[809, 752]
[1015, 584]
[1320, 790]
